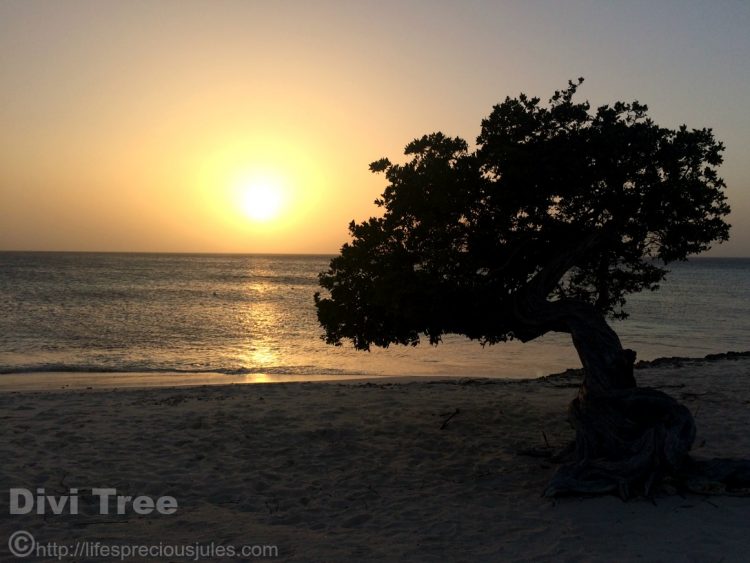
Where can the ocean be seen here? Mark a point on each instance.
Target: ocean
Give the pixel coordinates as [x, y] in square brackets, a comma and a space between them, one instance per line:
[254, 314]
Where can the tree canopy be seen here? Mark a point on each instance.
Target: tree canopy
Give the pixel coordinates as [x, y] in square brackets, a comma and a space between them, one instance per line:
[570, 203]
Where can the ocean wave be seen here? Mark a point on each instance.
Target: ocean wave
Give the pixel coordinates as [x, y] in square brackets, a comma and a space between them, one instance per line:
[89, 368]
[667, 361]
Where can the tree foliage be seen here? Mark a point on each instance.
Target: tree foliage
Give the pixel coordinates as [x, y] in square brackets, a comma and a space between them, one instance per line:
[466, 233]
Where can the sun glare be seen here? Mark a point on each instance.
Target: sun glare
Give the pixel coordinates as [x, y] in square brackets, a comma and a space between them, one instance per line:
[257, 191]
[261, 199]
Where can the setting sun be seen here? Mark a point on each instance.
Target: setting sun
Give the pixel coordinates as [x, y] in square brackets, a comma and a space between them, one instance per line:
[261, 200]
[262, 191]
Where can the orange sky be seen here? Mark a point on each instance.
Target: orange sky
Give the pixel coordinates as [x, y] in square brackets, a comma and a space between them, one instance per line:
[136, 126]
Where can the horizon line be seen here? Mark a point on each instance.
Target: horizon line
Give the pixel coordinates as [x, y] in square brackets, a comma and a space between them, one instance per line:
[219, 253]
[193, 252]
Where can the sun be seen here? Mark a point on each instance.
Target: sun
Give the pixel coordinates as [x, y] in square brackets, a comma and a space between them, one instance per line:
[261, 199]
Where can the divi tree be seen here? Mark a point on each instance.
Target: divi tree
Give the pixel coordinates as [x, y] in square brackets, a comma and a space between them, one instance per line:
[556, 216]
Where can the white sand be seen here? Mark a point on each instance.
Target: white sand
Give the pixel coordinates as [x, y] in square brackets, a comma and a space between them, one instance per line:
[356, 471]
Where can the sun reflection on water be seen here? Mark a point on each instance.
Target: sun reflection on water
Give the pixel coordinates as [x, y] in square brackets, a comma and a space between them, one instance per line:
[262, 356]
[260, 318]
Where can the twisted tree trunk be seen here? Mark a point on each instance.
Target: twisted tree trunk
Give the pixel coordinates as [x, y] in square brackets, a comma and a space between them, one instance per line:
[629, 439]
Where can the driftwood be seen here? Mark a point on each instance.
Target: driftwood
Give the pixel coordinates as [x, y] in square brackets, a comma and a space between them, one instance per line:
[448, 419]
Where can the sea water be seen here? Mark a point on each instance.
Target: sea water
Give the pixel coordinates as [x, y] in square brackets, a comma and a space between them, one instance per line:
[254, 314]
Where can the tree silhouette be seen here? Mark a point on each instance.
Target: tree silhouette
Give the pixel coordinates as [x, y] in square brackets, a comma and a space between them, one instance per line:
[557, 215]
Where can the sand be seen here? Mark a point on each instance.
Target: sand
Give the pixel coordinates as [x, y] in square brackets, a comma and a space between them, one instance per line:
[358, 471]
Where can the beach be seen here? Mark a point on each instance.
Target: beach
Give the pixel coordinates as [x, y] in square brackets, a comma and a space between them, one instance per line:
[390, 469]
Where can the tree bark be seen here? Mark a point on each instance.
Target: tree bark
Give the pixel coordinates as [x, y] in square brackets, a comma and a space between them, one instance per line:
[629, 439]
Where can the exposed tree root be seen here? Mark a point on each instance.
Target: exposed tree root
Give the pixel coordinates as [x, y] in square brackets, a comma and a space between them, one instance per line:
[715, 476]
[630, 440]
[636, 441]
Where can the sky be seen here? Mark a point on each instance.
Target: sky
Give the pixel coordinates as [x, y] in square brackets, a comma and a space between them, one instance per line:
[249, 126]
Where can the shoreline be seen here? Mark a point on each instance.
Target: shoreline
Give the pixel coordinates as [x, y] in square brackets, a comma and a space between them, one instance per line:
[14, 382]
[71, 380]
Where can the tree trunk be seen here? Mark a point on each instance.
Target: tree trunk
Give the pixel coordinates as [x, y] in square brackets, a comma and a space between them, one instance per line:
[630, 440]
[627, 438]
